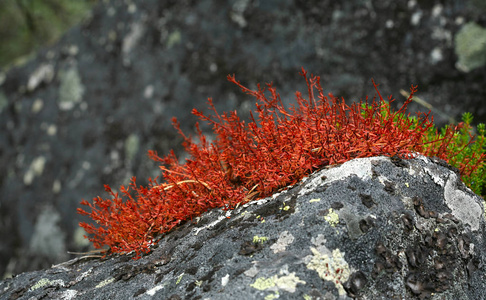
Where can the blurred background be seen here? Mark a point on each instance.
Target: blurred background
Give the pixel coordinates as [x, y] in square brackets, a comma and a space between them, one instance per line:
[88, 87]
[28, 25]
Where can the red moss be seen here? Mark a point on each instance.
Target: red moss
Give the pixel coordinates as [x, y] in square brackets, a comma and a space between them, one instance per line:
[275, 149]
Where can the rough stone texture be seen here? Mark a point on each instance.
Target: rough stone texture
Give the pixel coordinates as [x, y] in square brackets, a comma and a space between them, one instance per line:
[85, 111]
[371, 228]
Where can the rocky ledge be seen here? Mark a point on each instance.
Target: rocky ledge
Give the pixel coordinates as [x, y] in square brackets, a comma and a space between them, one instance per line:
[371, 228]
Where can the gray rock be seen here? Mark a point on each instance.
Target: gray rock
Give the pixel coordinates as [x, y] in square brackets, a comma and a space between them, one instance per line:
[84, 111]
[371, 228]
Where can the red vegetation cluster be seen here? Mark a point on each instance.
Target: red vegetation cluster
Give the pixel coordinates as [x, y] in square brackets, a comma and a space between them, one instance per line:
[249, 160]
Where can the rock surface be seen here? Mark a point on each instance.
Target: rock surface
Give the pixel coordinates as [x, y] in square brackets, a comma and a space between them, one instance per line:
[85, 111]
[371, 228]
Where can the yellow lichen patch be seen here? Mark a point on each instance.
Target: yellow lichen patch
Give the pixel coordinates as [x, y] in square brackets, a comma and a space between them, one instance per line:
[41, 283]
[332, 218]
[334, 269]
[287, 283]
[314, 200]
[105, 282]
[262, 283]
[46, 282]
[285, 207]
[272, 296]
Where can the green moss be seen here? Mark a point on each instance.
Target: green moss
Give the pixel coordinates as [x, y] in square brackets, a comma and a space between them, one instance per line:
[471, 151]
[467, 149]
[259, 239]
[26, 25]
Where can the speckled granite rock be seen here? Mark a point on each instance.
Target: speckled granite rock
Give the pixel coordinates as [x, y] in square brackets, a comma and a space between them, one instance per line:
[85, 110]
[372, 228]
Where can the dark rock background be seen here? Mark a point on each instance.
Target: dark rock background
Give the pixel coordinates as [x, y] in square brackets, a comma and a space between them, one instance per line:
[84, 111]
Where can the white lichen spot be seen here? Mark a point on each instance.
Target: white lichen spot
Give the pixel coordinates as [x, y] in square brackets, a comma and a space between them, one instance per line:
[224, 280]
[43, 74]
[237, 13]
[56, 186]
[155, 289]
[71, 89]
[132, 144]
[252, 272]
[360, 167]
[210, 225]
[463, 206]
[104, 283]
[213, 67]
[36, 169]
[319, 243]
[334, 269]
[332, 218]
[132, 39]
[415, 19]
[111, 11]
[68, 294]
[51, 130]
[79, 238]
[436, 55]
[437, 10]
[148, 92]
[48, 238]
[435, 175]
[37, 105]
[132, 8]
[284, 239]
